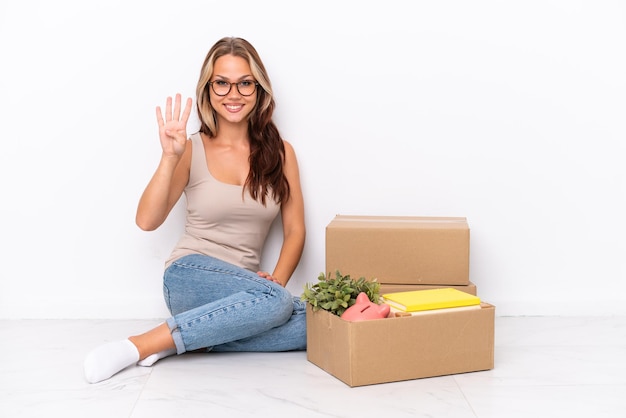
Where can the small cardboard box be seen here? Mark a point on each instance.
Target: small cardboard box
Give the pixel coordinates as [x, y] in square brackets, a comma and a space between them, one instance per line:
[392, 288]
[399, 249]
[396, 349]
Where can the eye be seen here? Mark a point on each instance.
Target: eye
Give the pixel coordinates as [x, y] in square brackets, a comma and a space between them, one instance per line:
[246, 83]
[221, 83]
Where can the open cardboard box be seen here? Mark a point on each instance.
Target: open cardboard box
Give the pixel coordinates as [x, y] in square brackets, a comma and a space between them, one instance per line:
[399, 249]
[394, 349]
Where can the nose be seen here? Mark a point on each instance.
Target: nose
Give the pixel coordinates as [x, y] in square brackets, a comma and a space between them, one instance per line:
[234, 90]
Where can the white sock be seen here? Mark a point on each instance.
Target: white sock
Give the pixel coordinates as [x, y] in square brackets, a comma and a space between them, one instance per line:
[108, 359]
[153, 358]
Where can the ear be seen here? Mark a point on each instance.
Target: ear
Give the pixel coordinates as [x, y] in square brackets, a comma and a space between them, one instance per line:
[384, 309]
[362, 298]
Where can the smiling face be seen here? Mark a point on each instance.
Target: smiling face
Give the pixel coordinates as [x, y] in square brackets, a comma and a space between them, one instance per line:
[233, 107]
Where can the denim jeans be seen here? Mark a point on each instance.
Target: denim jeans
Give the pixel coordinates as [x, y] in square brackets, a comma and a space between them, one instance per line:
[221, 307]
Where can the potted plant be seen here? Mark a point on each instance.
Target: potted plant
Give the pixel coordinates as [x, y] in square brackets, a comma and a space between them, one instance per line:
[339, 293]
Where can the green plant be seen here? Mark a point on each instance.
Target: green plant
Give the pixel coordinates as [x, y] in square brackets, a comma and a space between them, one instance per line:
[339, 293]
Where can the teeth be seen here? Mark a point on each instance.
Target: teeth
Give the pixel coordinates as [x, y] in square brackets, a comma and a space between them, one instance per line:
[233, 107]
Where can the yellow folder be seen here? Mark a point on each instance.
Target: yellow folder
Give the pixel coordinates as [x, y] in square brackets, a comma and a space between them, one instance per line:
[423, 300]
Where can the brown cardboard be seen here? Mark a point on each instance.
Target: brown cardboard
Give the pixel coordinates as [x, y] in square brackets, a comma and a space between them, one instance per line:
[399, 249]
[391, 288]
[405, 348]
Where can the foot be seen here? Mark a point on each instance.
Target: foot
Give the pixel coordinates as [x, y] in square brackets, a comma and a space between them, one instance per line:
[153, 358]
[109, 359]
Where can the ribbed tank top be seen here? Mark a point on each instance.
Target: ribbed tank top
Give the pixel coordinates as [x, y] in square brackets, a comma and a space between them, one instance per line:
[222, 220]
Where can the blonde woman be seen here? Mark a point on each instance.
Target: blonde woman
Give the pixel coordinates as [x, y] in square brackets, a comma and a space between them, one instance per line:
[237, 174]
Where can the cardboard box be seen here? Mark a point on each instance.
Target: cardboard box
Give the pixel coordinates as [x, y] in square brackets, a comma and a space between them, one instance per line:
[399, 249]
[396, 349]
[391, 288]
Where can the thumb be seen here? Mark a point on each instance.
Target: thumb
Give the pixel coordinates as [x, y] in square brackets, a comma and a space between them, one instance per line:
[178, 134]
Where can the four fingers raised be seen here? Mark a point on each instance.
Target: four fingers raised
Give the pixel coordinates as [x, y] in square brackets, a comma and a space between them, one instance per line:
[174, 115]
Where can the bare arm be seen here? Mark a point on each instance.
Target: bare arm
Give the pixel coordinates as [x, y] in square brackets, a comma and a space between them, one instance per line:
[169, 180]
[294, 232]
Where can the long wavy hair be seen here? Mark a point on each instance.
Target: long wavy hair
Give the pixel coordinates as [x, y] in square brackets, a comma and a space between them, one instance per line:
[267, 151]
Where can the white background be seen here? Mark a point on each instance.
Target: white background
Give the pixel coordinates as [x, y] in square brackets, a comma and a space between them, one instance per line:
[511, 114]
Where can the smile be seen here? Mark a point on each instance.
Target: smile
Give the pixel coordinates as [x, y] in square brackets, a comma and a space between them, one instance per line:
[233, 108]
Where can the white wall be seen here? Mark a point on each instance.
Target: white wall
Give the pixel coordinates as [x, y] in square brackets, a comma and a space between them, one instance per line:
[511, 114]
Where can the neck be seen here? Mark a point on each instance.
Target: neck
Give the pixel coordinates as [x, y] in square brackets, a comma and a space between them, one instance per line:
[233, 134]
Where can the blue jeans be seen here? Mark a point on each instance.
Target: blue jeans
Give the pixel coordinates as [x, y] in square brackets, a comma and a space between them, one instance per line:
[221, 307]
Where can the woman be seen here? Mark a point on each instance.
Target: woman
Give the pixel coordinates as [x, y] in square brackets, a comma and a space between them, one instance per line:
[237, 174]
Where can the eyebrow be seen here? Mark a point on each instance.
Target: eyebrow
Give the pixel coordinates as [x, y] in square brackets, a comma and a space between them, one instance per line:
[242, 78]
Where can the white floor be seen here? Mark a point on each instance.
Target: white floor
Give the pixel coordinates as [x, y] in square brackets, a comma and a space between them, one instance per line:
[545, 367]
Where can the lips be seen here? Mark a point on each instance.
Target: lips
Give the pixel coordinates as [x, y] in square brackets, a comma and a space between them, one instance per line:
[233, 108]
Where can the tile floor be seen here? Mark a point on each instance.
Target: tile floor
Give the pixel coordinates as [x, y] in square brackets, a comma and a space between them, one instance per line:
[544, 367]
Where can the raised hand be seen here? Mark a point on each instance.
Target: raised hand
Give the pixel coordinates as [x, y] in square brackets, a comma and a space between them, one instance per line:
[173, 130]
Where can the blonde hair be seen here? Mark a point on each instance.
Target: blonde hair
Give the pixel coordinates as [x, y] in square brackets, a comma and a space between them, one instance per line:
[267, 150]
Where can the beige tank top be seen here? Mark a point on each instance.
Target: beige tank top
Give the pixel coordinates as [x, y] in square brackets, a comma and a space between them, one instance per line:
[222, 222]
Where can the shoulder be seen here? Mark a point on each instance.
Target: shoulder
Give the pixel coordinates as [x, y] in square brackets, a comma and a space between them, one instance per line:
[291, 162]
[290, 153]
[196, 137]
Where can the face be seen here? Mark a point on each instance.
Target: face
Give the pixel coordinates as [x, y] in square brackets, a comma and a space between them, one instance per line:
[233, 107]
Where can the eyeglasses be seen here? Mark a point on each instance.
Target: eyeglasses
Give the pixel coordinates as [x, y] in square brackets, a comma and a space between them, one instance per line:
[245, 87]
